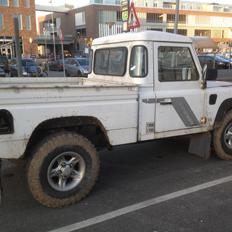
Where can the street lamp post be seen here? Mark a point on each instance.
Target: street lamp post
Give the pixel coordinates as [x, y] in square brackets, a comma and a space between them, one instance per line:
[46, 48]
[53, 34]
[177, 16]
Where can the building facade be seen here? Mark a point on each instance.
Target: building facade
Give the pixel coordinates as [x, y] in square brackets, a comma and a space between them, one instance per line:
[24, 10]
[103, 17]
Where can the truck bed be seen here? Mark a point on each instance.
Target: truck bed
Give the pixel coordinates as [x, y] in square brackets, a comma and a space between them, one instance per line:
[32, 101]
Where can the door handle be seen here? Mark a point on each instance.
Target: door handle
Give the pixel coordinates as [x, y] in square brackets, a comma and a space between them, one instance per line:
[166, 101]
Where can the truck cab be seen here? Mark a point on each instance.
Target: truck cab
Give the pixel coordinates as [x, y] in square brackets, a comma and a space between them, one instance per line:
[166, 69]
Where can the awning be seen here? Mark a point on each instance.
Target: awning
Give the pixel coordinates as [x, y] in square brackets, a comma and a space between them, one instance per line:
[43, 40]
[200, 42]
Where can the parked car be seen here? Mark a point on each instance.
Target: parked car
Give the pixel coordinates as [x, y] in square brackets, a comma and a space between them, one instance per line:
[226, 58]
[56, 65]
[29, 68]
[4, 64]
[77, 67]
[220, 62]
[2, 73]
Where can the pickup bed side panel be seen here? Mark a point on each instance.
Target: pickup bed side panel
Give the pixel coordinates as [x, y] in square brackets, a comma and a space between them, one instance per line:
[115, 107]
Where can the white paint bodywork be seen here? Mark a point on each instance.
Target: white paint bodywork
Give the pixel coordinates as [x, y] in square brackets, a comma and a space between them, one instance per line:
[34, 102]
[117, 102]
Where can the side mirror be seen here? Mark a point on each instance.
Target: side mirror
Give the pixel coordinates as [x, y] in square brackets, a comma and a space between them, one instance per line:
[204, 75]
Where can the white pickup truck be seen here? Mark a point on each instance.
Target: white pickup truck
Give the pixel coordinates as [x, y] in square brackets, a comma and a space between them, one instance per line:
[142, 86]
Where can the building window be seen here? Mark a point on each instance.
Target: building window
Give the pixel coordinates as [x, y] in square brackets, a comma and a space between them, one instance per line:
[119, 16]
[203, 33]
[179, 31]
[110, 61]
[27, 3]
[19, 17]
[16, 3]
[98, 1]
[80, 19]
[154, 18]
[169, 5]
[28, 22]
[4, 3]
[176, 64]
[1, 21]
[171, 18]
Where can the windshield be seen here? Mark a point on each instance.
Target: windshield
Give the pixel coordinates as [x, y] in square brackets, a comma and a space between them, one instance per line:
[83, 62]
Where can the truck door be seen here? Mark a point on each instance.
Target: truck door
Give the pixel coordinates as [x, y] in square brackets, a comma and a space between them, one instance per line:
[179, 101]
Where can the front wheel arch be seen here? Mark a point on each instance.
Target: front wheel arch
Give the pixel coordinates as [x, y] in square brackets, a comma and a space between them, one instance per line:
[221, 144]
[224, 108]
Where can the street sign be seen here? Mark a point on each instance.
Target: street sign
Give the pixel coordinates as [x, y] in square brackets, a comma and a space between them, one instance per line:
[124, 10]
[133, 21]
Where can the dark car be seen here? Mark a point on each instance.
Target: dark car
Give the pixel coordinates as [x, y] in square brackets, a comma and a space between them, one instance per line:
[2, 73]
[4, 64]
[29, 68]
[56, 65]
[220, 62]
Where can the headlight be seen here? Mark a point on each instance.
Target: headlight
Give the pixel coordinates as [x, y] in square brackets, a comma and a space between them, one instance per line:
[25, 74]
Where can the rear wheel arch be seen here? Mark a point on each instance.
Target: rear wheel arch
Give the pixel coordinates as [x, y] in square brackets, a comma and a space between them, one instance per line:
[89, 127]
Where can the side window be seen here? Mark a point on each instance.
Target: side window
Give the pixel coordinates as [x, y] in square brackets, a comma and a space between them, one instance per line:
[110, 61]
[176, 64]
[139, 62]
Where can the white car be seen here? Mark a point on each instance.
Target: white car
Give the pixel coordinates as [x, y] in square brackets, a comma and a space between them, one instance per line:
[76, 67]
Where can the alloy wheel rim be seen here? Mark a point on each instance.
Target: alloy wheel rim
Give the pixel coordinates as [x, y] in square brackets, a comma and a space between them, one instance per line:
[66, 171]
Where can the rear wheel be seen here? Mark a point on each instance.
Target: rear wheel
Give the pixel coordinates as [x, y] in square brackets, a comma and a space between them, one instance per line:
[63, 169]
[222, 139]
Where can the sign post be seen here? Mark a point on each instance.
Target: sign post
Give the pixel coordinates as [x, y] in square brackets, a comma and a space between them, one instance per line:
[125, 13]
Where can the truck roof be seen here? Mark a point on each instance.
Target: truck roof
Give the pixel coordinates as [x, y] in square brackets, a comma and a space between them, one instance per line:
[142, 36]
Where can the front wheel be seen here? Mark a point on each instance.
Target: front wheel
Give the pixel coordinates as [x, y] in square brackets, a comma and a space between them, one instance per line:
[222, 139]
[63, 169]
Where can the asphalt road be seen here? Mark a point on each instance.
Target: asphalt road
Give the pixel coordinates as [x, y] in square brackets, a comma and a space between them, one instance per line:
[129, 175]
